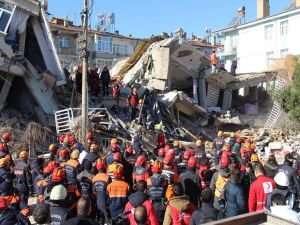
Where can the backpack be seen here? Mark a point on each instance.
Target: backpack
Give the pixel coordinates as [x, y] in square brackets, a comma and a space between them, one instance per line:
[220, 186]
[182, 218]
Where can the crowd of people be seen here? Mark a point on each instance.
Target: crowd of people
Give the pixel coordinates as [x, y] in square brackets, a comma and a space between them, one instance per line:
[170, 185]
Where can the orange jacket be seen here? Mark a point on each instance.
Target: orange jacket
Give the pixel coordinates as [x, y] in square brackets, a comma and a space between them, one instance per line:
[213, 59]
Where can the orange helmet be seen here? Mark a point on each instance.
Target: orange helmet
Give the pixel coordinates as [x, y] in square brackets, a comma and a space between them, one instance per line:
[118, 172]
[59, 174]
[6, 137]
[254, 158]
[117, 157]
[161, 152]
[50, 167]
[129, 150]
[63, 153]
[53, 149]
[4, 162]
[192, 162]
[100, 164]
[141, 160]
[24, 155]
[89, 136]
[157, 167]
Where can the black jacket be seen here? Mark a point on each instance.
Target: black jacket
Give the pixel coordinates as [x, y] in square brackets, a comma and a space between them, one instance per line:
[191, 184]
[105, 76]
[292, 175]
[8, 217]
[206, 212]
[136, 199]
[79, 220]
[270, 169]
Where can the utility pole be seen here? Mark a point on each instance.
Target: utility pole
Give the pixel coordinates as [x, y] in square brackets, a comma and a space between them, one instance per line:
[84, 102]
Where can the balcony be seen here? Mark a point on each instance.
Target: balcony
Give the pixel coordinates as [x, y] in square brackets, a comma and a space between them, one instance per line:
[68, 51]
[227, 51]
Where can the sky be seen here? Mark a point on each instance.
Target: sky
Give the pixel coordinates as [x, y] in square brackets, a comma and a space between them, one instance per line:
[143, 18]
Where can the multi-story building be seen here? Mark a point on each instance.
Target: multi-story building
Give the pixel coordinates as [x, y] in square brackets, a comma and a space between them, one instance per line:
[104, 48]
[256, 43]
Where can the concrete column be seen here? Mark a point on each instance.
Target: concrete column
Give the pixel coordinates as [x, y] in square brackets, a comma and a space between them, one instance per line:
[227, 99]
[195, 90]
[253, 94]
[5, 90]
[202, 93]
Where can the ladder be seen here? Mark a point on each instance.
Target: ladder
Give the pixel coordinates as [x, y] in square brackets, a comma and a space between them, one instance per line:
[276, 109]
[64, 120]
[212, 95]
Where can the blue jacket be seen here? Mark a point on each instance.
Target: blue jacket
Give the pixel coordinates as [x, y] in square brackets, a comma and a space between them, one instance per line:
[235, 199]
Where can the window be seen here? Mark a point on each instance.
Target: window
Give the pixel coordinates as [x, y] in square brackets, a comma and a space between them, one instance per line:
[104, 44]
[269, 57]
[120, 50]
[269, 32]
[64, 42]
[100, 63]
[284, 28]
[6, 13]
[283, 53]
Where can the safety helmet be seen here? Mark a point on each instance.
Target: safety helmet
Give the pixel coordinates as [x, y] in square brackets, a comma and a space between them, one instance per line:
[141, 160]
[192, 162]
[114, 141]
[72, 140]
[59, 174]
[6, 137]
[176, 143]
[157, 166]
[169, 158]
[24, 155]
[50, 167]
[220, 133]
[129, 150]
[282, 179]
[4, 162]
[3, 203]
[63, 153]
[239, 140]
[232, 134]
[62, 138]
[100, 164]
[161, 152]
[58, 192]
[94, 148]
[117, 157]
[118, 172]
[198, 143]
[75, 154]
[254, 158]
[167, 148]
[89, 136]
[53, 149]
[187, 154]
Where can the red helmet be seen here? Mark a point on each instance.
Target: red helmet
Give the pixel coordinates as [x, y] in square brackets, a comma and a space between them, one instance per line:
[3, 203]
[187, 154]
[62, 138]
[63, 153]
[118, 172]
[169, 158]
[72, 140]
[59, 174]
[6, 137]
[161, 152]
[89, 136]
[157, 167]
[192, 162]
[129, 150]
[100, 164]
[53, 149]
[141, 160]
[239, 140]
[167, 148]
[117, 157]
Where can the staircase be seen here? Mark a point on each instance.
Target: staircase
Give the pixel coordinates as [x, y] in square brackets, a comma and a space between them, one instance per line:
[212, 95]
[276, 110]
[64, 120]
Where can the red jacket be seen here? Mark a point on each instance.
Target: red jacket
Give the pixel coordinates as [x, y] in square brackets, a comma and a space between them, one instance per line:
[136, 199]
[259, 191]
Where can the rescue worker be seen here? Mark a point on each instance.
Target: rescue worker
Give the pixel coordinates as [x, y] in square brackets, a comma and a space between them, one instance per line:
[190, 182]
[130, 160]
[118, 191]
[117, 91]
[236, 150]
[140, 198]
[105, 78]
[132, 102]
[112, 149]
[91, 158]
[36, 168]
[226, 156]
[161, 154]
[24, 183]
[161, 137]
[200, 151]
[140, 171]
[218, 144]
[6, 138]
[288, 169]
[58, 209]
[157, 186]
[214, 62]
[63, 157]
[100, 182]
[136, 140]
[179, 209]
[259, 189]
[40, 185]
[8, 216]
[72, 167]
[117, 160]
[271, 166]
[89, 140]
[85, 183]
[178, 151]
[53, 151]
[182, 166]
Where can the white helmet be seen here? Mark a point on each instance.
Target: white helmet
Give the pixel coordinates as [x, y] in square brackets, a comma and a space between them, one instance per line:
[59, 192]
[282, 179]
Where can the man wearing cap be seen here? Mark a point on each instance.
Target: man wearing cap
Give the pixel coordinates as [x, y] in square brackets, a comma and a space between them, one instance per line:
[72, 168]
[24, 183]
[200, 151]
[290, 171]
[7, 215]
[218, 144]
